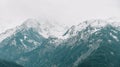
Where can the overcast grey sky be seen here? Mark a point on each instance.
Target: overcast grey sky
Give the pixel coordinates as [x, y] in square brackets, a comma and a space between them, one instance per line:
[69, 12]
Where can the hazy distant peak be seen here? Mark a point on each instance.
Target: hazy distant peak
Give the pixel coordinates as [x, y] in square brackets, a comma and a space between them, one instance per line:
[31, 23]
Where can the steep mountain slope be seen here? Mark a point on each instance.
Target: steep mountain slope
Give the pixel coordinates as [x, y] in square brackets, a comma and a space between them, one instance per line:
[78, 49]
[24, 38]
[4, 63]
[107, 55]
[93, 43]
[20, 42]
[46, 28]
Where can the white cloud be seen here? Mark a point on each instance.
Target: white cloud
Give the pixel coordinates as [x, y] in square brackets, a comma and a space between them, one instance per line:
[65, 11]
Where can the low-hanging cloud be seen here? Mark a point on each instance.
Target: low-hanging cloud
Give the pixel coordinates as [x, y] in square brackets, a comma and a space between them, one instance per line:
[68, 12]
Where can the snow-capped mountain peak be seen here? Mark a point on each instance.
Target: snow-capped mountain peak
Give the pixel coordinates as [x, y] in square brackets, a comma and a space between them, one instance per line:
[44, 28]
[6, 34]
[31, 23]
[95, 24]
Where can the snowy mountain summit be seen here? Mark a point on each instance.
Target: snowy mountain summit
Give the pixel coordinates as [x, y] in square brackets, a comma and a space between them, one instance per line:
[45, 28]
[38, 43]
[95, 25]
[50, 29]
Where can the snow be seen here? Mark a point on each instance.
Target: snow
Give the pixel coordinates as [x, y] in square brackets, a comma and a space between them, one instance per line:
[6, 34]
[115, 37]
[31, 23]
[114, 31]
[109, 41]
[33, 41]
[30, 41]
[45, 28]
[25, 37]
[36, 43]
[13, 43]
[98, 23]
[95, 24]
[23, 43]
[112, 53]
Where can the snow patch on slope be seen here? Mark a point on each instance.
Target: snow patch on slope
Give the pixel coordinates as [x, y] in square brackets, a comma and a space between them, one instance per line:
[7, 34]
[115, 37]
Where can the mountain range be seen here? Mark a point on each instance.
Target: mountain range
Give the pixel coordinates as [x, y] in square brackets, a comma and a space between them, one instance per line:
[92, 43]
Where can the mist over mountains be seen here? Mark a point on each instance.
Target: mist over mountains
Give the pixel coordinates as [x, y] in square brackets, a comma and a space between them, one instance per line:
[92, 43]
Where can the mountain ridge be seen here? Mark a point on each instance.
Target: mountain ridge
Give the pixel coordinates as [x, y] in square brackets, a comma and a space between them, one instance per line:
[45, 29]
[80, 46]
